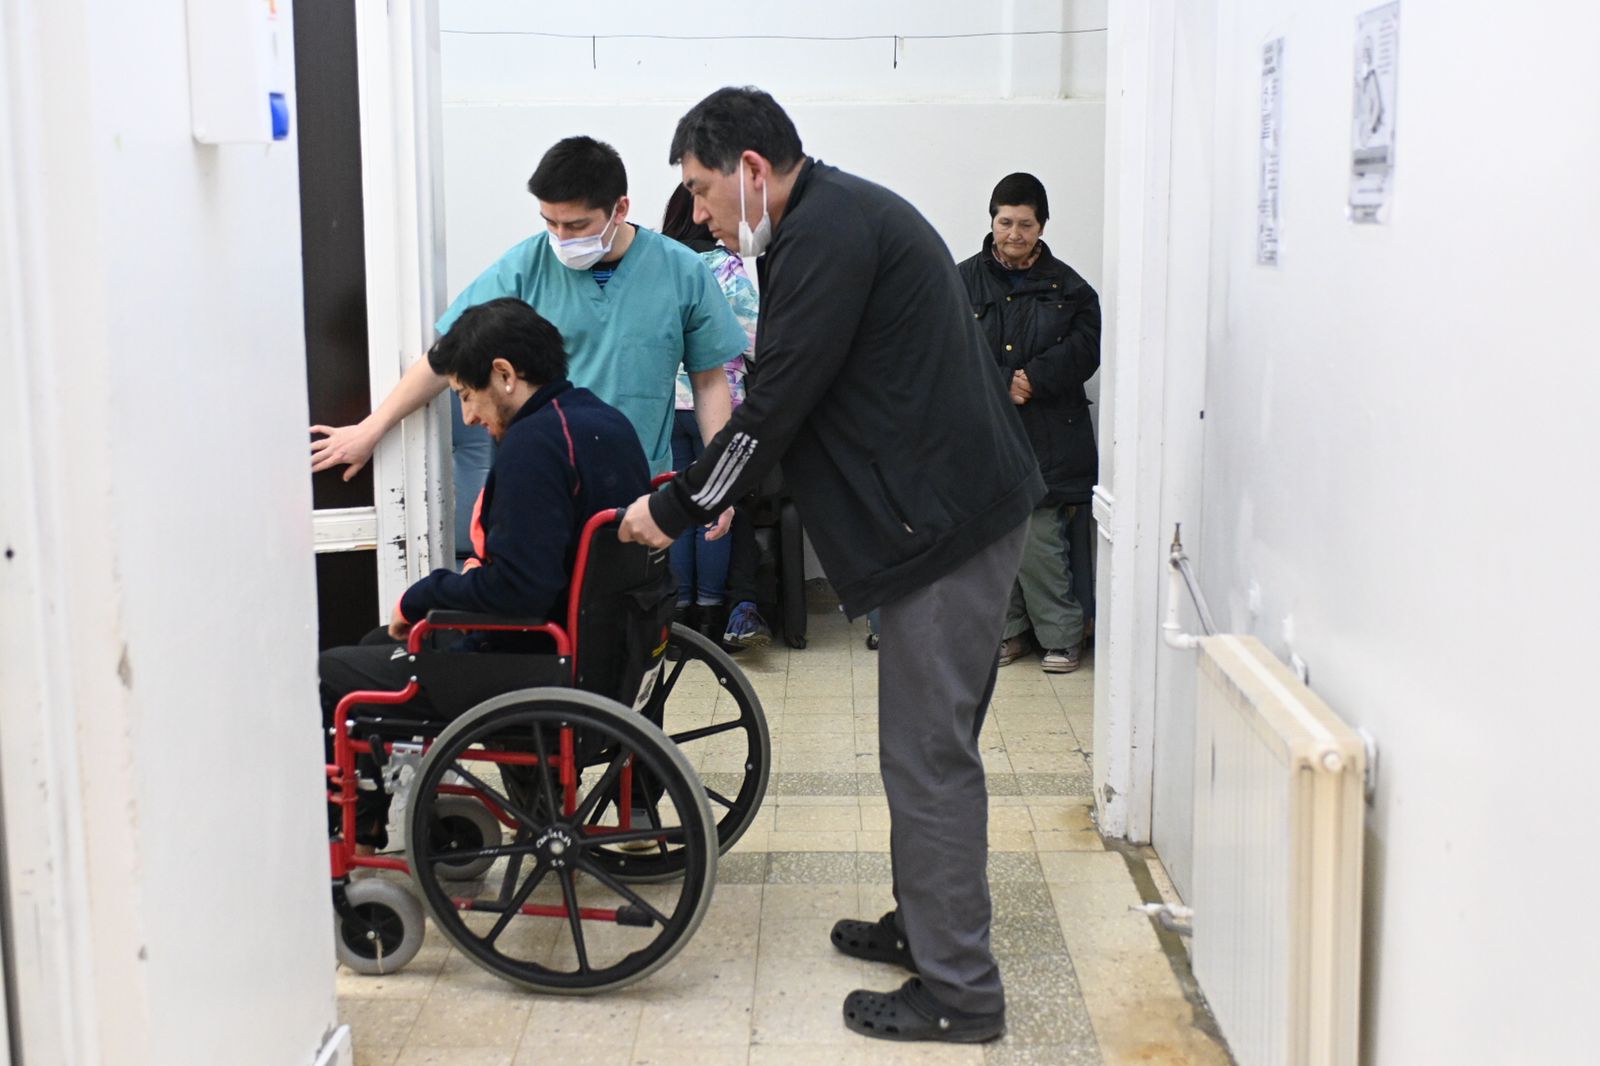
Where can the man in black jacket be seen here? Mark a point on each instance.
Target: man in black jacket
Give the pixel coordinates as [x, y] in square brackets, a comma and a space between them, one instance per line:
[564, 455]
[874, 387]
[1042, 322]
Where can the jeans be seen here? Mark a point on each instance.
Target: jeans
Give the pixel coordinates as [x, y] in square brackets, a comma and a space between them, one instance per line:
[700, 565]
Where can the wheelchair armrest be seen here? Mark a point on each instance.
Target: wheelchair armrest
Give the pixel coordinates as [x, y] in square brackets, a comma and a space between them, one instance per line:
[470, 620]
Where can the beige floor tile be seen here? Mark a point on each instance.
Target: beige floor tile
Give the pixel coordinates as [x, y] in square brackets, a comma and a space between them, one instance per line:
[379, 1023]
[809, 901]
[801, 1016]
[753, 840]
[835, 744]
[470, 1021]
[797, 704]
[818, 723]
[412, 982]
[1065, 867]
[795, 819]
[1011, 840]
[842, 840]
[1071, 816]
[873, 840]
[875, 816]
[365, 1056]
[418, 1055]
[808, 1055]
[697, 1022]
[691, 1055]
[1010, 819]
[579, 1054]
[595, 1021]
[798, 938]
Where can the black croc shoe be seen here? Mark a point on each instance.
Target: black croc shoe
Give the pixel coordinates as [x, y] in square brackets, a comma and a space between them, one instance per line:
[878, 941]
[911, 1013]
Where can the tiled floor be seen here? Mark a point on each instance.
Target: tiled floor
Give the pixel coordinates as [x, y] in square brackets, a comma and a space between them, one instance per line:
[1087, 979]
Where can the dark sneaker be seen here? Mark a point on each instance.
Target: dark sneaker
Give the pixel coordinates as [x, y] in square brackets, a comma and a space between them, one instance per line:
[746, 628]
[1060, 660]
[1013, 648]
[911, 1012]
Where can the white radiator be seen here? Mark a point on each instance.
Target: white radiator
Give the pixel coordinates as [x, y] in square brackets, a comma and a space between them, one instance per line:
[1277, 860]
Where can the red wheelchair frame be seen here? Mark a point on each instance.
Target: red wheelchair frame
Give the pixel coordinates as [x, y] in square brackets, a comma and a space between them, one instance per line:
[341, 773]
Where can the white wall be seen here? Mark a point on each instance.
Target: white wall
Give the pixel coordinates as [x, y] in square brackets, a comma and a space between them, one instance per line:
[1398, 451]
[162, 780]
[514, 51]
[940, 130]
[945, 158]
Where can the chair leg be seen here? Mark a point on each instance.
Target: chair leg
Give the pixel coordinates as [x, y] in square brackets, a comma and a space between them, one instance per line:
[792, 574]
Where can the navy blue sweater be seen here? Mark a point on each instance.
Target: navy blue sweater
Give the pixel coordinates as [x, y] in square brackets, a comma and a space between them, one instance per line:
[566, 455]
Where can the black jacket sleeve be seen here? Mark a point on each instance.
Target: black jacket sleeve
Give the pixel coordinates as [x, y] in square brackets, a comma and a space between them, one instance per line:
[814, 292]
[527, 531]
[1064, 365]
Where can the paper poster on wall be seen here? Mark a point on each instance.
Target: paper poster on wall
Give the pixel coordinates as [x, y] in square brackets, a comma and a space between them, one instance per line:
[1271, 128]
[1377, 57]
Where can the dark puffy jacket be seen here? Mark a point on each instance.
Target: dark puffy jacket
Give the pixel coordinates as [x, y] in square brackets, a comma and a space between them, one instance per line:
[871, 384]
[1049, 326]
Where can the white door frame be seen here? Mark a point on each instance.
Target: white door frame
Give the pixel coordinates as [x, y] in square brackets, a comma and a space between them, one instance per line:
[411, 523]
[1139, 64]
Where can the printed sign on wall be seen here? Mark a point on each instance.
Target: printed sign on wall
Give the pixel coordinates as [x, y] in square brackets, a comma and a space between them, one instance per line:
[1267, 214]
[1377, 57]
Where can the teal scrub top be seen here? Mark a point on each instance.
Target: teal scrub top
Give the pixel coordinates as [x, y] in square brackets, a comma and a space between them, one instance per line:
[662, 309]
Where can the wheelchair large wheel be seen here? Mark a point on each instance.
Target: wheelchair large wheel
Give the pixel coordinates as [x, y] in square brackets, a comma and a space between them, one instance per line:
[549, 914]
[705, 705]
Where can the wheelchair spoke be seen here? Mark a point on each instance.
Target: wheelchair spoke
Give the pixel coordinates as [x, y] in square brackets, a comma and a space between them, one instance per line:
[716, 797]
[569, 891]
[654, 834]
[707, 731]
[547, 792]
[513, 871]
[503, 802]
[493, 851]
[514, 907]
[601, 790]
[598, 872]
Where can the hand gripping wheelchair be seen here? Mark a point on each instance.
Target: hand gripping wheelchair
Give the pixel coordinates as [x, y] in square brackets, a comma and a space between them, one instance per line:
[556, 828]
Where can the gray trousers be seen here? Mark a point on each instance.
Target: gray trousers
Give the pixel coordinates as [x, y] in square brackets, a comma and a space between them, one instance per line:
[936, 672]
[1042, 596]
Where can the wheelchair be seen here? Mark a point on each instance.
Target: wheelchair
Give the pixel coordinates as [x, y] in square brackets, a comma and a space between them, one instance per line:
[562, 829]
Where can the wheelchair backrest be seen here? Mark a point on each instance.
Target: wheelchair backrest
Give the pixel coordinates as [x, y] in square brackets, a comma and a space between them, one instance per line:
[623, 607]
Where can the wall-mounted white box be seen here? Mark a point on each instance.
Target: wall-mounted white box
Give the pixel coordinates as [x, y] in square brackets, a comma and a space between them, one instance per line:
[241, 71]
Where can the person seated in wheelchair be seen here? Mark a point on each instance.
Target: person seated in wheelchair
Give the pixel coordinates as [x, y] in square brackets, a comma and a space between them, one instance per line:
[563, 456]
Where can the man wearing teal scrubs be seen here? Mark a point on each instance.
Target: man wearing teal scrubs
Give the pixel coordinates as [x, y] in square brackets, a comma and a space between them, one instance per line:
[631, 306]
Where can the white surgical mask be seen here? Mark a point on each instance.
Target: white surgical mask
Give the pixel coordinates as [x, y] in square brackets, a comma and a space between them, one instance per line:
[581, 253]
[753, 243]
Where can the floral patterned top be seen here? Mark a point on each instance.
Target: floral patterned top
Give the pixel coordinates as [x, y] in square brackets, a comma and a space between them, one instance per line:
[736, 285]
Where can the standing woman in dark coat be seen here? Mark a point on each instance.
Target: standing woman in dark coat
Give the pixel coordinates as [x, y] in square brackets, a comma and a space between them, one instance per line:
[1043, 324]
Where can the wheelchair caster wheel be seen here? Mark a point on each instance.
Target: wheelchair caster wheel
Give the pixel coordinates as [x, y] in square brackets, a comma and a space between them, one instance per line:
[382, 930]
[464, 825]
[872, 642]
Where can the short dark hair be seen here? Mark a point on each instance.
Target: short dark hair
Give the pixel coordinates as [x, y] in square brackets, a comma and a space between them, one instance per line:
[1020, 190]
[732, 121]
[580, 168]
[678, 221]
[505, 329]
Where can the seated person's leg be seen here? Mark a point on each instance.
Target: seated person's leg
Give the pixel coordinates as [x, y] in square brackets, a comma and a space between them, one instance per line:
[686, 448]
[378, 663]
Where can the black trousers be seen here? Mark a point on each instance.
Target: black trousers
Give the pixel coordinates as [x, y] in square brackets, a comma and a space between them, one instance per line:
[378, 663]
